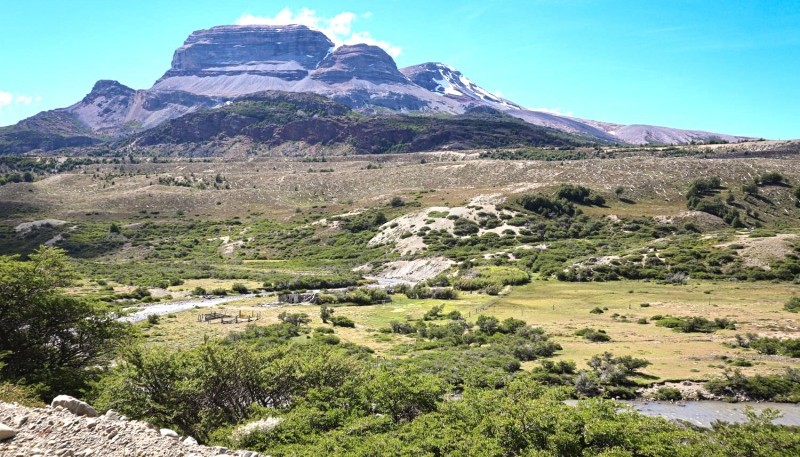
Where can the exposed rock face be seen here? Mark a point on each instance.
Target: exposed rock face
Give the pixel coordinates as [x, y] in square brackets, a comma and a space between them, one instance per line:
[360, 61]
[285, 52]
[54, 431]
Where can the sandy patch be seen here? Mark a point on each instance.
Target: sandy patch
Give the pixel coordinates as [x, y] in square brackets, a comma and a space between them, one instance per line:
[762, 252]
[436, 218]
[416, 270]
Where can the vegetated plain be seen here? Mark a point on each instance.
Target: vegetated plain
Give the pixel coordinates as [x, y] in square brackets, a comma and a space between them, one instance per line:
[640, 265]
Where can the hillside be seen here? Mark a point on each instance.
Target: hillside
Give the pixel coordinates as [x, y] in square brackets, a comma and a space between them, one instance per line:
[276, 118]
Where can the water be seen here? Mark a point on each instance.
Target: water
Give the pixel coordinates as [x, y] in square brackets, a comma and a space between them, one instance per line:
[704, 413]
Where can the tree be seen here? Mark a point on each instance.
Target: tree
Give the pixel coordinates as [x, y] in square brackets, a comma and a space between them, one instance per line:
[488, 324]
[50, 340]
[325, 313]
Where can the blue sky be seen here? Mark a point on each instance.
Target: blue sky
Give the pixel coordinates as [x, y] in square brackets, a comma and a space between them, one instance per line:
[725, 66]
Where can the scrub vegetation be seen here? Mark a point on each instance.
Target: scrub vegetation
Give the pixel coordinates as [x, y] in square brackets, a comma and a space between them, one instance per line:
[437, 289]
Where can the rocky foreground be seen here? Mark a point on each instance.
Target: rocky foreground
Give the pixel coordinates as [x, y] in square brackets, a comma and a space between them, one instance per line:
[70, 428]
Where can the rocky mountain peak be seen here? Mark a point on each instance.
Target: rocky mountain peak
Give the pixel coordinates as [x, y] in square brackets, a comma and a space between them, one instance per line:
[287, 52]
[446, 80]
[108, 89]
[359, 61]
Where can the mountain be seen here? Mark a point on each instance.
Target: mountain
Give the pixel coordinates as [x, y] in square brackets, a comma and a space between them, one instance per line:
[217, 65]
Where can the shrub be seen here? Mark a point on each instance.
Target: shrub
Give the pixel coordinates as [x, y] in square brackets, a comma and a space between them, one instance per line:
[596, 336]
[546, 206]
[580, 195]
[153, 319]
[433, 313]
[198, 291]
[695, 324]
[771, 178]
[367, 296]
[342, 321]
[793, 305]
[488, 324]
[325, 313]
[667, 394]
[402, 328]
[239, 288]
[219, 291]
[295, 319]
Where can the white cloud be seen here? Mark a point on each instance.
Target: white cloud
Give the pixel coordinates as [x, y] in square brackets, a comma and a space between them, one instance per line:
[338, 28]
[6, 98]
[555, 111]
[9, 99]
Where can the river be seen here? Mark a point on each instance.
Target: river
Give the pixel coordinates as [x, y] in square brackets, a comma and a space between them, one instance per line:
[160, 309]
[704, 413]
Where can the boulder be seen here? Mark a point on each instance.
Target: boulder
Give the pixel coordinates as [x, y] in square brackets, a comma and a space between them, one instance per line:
[113, 415]
[169, 433]
[6, 432]
[189, 441]
[73, 405]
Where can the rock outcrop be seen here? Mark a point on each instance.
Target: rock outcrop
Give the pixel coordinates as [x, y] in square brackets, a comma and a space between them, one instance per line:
[73, 405]
[58, 432]
[359, 61]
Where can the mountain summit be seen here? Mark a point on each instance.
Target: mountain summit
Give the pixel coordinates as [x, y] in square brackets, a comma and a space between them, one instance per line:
[217, 65]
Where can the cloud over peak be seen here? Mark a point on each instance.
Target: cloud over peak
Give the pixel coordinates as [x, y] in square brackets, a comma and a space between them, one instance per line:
[338, 28]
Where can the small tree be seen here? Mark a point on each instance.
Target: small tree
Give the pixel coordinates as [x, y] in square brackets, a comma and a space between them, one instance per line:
[488, 324]
[325, 313]
[50, 339]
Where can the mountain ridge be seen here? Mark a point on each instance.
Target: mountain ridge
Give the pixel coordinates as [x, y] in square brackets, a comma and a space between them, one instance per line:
[216, 65]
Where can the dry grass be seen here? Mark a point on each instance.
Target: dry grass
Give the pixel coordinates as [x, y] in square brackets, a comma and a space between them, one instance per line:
[277, 186]
[563, 308]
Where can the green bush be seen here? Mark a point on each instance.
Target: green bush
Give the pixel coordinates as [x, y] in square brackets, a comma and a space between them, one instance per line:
[342, 321]
[596, 336]
[667, 394]
[793, 305]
